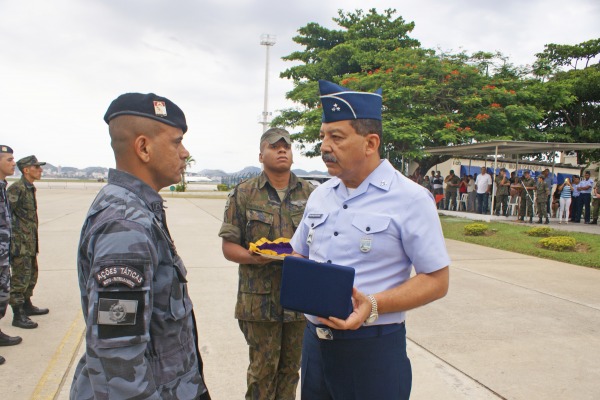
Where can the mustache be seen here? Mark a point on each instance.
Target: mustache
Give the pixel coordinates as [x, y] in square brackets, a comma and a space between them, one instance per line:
[328, 157]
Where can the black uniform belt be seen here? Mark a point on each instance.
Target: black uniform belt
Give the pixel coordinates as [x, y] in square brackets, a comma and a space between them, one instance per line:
[365, 332]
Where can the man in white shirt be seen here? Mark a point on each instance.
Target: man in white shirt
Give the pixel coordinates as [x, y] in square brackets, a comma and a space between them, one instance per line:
[483, 186]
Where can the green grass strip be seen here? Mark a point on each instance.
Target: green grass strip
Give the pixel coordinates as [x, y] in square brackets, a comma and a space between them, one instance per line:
[513, 237]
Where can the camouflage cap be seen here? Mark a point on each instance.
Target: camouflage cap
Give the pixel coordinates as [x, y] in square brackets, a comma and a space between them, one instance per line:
[148, 106]
[274, 135]
[5, 149]
[28, 162]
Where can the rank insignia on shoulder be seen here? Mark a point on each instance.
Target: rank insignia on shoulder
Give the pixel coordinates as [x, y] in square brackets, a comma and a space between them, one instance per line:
[119, 274]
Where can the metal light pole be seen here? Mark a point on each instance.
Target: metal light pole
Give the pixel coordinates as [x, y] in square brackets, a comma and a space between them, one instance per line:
[267, 41]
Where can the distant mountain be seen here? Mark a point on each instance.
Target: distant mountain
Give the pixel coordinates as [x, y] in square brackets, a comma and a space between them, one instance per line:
[213, 173]
[301, 172]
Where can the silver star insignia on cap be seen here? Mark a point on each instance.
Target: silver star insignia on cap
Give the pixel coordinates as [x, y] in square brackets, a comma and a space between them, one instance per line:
[335, 107]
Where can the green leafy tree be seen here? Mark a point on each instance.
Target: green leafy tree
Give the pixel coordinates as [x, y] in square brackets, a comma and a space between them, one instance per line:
[571, 94]
[429, 99]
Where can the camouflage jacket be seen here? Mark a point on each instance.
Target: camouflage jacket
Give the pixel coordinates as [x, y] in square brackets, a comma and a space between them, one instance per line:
[23, 206]
[529, 182]
[501, 190]
[541, 192]
[455, 180]
[4, 226]
[254, 211]
[141, 339]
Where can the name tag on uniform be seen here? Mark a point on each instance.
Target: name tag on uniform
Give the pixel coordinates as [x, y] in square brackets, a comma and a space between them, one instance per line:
[315, 215]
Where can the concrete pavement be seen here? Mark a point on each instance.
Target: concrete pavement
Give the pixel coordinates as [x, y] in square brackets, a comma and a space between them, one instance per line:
[512, 326]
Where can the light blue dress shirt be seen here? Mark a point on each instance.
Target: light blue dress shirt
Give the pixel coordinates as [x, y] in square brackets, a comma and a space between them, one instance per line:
[382, 229]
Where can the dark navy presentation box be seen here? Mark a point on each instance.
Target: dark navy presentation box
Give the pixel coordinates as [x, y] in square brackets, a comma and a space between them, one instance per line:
[320, 289]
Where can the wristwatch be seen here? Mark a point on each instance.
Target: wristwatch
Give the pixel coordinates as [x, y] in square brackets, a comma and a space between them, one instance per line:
[374, 314]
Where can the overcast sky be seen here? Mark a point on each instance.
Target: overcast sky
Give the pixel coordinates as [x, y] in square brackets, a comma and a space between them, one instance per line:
[63, 61]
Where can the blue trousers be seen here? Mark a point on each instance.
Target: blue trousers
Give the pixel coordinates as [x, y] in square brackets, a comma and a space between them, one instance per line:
[355, 369]
[584, 202]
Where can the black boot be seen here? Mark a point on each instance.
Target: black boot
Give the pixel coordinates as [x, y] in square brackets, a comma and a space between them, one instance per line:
[6, 340]
[547, 220]
[531, 220]
[21, 320]
[594, 221]
[2, 360]
[30, 309]
[540, 220]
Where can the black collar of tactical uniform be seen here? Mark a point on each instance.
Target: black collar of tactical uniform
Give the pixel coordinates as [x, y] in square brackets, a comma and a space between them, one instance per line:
[132, 183]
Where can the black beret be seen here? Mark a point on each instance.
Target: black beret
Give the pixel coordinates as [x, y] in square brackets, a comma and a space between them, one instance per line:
[149, 106]
[5, 149]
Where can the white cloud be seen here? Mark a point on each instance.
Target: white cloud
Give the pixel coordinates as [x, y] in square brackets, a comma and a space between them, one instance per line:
[64, 61]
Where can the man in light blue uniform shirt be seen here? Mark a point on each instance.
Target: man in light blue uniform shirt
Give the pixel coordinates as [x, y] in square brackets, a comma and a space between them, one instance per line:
[372, 218]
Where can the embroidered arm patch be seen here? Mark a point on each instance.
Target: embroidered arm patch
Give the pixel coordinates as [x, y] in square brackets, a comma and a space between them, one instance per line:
[119, 274]
[120, 314]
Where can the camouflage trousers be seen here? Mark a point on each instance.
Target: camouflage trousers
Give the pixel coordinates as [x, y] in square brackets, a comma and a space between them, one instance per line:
[4, 289]
[526, 206]
[541, 209]
[23, 280]
[275, 350]
[595, 207]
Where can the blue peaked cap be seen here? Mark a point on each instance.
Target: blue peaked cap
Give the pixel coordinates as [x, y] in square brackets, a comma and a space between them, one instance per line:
[340, 103]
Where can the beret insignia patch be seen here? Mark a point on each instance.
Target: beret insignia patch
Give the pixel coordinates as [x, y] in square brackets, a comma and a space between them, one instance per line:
[115, 275]
[160, 108]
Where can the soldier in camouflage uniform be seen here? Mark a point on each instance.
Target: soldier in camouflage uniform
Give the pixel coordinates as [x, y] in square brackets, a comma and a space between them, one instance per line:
[595, 202]
[452, 182]
[270, 206]
[502, 186]
[7, 167]
[542, 193]
[141, 333]
[24, 245]
[526, 206]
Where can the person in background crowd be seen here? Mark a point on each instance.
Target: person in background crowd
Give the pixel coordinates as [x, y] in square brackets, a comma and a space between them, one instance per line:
[452, 181]
[527, 192]
[462, 189]
[438, 189]
[426, 183]
[502, 189]
[483, 185]
[595, 202]
[542, 193]
[575, 200]
[585, 188]
[566, 190]
[471, 193]
[555, 202]
[549, 183]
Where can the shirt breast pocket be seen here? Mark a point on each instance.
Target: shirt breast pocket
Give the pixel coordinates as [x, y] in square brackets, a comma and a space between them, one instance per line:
[373, 230]
[258, 225]
[315, 226]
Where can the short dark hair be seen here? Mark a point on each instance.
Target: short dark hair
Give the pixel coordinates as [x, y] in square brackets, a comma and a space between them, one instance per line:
[366, 126]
